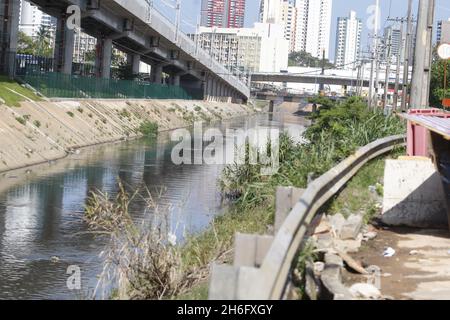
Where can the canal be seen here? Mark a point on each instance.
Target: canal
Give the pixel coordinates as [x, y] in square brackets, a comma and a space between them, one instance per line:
[42, 231]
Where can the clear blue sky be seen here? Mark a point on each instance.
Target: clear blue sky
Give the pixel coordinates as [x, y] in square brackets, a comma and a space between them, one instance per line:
[394, 8]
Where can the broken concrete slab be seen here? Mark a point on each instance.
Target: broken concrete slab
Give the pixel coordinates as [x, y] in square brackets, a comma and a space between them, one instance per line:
[337, 221]
[351, 227]
[332, 280]
[365, 291]
[348, 246]
[413, 195]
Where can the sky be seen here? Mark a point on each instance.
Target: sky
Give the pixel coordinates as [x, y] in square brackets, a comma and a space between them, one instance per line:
[190, 9]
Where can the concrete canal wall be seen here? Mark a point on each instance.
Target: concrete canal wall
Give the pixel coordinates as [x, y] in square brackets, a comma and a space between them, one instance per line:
[37, 132]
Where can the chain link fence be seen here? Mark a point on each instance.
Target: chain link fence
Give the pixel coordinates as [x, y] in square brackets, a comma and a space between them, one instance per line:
[57, 85]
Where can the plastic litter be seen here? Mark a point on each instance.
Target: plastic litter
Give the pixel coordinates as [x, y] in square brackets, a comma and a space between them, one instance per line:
[388, 252]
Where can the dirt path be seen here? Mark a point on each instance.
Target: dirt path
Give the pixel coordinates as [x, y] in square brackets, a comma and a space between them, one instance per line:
[420, 268]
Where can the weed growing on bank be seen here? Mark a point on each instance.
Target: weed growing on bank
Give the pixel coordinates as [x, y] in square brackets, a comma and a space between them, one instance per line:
[149, 129]
[338, 130]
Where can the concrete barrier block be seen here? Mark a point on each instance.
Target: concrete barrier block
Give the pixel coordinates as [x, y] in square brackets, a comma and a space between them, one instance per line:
[286, 198]
[223, 283]
[413, 195]
[250, 250]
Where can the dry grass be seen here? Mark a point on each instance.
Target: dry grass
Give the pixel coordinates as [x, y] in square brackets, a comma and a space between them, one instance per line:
[141, 261]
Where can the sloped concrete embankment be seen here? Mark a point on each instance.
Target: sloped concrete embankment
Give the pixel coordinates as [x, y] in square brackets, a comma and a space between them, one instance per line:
[38, 132]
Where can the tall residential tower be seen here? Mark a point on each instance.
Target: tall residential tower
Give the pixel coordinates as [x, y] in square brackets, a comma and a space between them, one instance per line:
[348, 40]
[223, 13]
[307, 23]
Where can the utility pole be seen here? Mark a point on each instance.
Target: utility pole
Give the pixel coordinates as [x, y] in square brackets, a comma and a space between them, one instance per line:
[374, 55]
[388, 69]
[420, 86]
[177, 19]
[377, 74]
[407, 57]
[402, 50]
[322, 85]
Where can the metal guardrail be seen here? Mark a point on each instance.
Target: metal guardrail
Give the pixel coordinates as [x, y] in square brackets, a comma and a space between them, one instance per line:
[167, 30]
[273, 256]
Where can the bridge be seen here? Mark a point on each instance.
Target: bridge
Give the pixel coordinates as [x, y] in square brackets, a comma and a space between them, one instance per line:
[309, 78]
[135, 28]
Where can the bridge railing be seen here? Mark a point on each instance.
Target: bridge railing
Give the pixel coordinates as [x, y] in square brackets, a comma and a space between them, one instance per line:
[263, 264]
[167, 29]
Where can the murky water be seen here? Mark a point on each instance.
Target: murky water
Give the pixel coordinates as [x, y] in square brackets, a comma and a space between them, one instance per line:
[41, 226]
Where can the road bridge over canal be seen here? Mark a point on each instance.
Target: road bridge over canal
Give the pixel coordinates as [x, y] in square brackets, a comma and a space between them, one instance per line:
[134, 27]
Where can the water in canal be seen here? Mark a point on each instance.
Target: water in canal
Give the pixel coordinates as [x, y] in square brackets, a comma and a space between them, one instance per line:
[41, 226]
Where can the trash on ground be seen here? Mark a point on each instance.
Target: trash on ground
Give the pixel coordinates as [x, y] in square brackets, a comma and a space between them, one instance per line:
[388, 252]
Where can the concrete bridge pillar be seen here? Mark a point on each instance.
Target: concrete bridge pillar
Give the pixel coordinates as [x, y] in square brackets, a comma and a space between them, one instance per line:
[9, 27]
[176, 80]
[64, 45]
[134, 60]
[103, 58]
[156, 75]
[210, 89]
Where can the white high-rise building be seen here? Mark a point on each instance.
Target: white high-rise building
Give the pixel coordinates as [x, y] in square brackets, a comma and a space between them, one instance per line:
[348, 41]
[31, 19]
[258, 49]
[318, 27]
[289, 21]
[307, 23]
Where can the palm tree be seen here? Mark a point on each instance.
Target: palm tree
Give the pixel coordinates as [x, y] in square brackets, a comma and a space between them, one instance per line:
[43, 38]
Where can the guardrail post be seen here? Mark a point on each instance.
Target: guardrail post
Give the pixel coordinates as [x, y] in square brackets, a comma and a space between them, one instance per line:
[223, 283]
[250, 249]
[286, 198]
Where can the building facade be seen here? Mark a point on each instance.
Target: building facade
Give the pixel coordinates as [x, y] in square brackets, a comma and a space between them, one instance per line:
[223, 13]
[307, 23]
[258, 49]
[443, 32]
[348, 41]
[32, 19]
[393, 45]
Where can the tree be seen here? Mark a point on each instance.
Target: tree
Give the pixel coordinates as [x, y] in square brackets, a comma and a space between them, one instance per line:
[43, 45]
[39, 46]
[437, 92]
[305, 59]
[25, 44]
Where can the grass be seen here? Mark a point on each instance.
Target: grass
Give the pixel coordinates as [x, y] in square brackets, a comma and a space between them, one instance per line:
[148, 267]
[143, 263]
[356, 196]
[149, 129]
[12, 99]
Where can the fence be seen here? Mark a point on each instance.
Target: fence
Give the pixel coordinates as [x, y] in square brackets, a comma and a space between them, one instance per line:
[57, 85]
[263, 264]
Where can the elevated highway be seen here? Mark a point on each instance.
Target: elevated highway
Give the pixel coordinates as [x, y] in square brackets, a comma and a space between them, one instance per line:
[138, 29]
[309, 78]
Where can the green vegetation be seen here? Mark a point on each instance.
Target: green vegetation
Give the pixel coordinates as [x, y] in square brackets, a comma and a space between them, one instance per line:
[305, 59]
[151, 266]
[71, 114]
[149, 129]
[38, 46]
[11, 98]
[21, 120]
[143, 262]
[437, 92]
[357, 196]
[336, 133]
[37, 123]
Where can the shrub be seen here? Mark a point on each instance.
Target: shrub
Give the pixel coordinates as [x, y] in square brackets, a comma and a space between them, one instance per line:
[71, 114]
[37, 123]
[337, 132]
[21, 120]
[149, 129]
